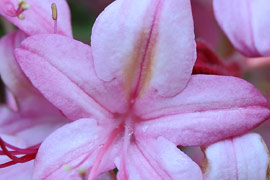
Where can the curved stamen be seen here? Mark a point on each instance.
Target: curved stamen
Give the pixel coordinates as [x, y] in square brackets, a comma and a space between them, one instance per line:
[22, 159]
[29, 153]
[113, 135]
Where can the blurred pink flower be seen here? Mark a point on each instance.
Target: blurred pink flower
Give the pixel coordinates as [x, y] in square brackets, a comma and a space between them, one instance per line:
[246, 25]
[245, 157]
[134, 96]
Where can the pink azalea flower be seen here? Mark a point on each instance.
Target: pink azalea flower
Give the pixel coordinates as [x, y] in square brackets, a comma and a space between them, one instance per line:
[28, 115]
[134, 96]
[244, 157]
[229, 158]
[246, 25]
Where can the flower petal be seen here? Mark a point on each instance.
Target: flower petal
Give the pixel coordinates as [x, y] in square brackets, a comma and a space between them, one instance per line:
[247, 27]
[30, 127]
[134, 42]
[71, 151]
[244, 157]
[28, 99]
[17, 172]
[38, 18]
[209, 109]
[157, 159]
[9, 70]
[65, 64]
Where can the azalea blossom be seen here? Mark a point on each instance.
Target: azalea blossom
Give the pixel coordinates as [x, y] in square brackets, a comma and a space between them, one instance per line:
[133, 97]
[246, 25]
[238, 159]
[27, 116]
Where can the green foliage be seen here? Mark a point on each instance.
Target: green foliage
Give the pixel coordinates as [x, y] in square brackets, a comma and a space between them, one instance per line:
[82, 21]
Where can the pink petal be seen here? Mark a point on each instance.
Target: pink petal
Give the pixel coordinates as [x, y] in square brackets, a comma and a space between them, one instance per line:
[65, 64]
[209, 109]
[10, 72]
[205, 25]
[11, 122]
[28, 99]
[17, 172]
[157, 159]
[240, 158]
[38, 18]
[245, 24]
[31, 128]
[74, 148]
[139, 44]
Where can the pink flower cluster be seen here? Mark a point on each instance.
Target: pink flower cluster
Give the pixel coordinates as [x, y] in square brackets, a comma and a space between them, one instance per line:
[124, 106]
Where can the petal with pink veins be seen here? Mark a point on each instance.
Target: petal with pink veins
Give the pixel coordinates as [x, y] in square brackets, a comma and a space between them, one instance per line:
[26, 96]
[10, 72]
[77, 91]
[157, 159]
[37, 16]
[246, 25]
[140, 43]
[33, 129]
[241, 158]
[210, 108]
[71, 151]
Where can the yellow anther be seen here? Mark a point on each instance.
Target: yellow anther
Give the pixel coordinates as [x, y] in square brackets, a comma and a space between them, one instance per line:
[67, 168]
[21, 1]
[54, 11]
[21, 16]
[25, 6]
[82, 173]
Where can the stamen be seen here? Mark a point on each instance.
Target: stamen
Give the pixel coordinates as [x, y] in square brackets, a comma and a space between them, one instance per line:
[25, 6]
[22, 159]
[82, 173]
[93, 172]
[21, 16]
[127, 136]
[67, 168]
[54, 16]
[29, 153]
[22, 6]
[54, 11]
